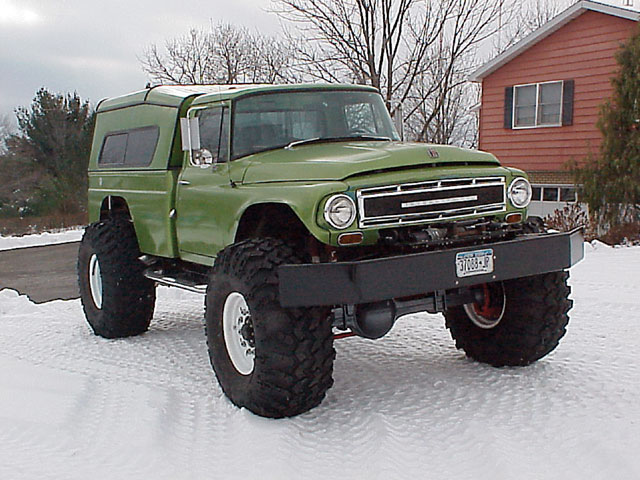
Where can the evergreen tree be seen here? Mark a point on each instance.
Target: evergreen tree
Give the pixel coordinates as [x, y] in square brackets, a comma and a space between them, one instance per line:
[611, 180]
[55, 132]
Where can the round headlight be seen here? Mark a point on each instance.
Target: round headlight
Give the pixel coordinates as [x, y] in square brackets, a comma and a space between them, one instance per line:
[340, 211]
[520, 192]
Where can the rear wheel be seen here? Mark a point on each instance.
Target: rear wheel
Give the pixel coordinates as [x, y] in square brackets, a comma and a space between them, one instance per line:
[518, 322]
[117, 299]
[489, 312]
[274, 361]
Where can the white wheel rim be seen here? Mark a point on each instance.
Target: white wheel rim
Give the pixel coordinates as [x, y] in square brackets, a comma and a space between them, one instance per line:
[236, 322]
[95, 281]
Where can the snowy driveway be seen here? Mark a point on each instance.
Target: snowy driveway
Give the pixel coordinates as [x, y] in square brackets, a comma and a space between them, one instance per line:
[76, 406]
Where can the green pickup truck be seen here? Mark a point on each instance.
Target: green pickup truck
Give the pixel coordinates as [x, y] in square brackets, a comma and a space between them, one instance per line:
[302, 217]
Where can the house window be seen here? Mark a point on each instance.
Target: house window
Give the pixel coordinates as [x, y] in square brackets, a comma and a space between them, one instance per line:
[568, 194]
[537, 105]
[536, 194]
[554, 193]
[549, 194]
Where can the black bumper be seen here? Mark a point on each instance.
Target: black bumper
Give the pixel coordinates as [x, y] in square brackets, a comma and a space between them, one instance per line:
[421, 273]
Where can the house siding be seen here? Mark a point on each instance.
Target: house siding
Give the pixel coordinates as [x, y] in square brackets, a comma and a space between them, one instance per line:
[584, 51]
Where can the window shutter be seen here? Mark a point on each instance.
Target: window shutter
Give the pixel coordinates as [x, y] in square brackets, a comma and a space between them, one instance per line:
[568, 88]
[508, 108]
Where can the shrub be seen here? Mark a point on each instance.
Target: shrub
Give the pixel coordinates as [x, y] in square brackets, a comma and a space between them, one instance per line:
[570, 217]
[623, 234]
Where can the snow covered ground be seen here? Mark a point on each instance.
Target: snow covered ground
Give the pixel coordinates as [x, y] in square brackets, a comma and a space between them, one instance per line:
[76, 406]
[46, 238]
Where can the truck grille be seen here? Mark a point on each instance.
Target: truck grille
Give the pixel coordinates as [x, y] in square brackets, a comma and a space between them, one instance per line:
[430, 201]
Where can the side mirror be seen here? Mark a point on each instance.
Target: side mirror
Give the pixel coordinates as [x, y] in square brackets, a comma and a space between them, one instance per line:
[203, 158]
[190, 133]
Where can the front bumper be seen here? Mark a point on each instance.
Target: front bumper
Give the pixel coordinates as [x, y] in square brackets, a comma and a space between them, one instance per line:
[367, 281]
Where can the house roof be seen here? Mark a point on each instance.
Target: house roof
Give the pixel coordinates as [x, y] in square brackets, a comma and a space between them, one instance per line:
[550, 27]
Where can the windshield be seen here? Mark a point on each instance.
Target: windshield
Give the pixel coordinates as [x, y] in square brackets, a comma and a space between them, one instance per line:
[276, 120]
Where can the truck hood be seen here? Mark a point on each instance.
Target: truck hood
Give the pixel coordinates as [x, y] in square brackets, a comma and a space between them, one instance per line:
[339, 161]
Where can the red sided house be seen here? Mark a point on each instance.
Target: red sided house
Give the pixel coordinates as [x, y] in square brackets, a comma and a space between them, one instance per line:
[541, 97]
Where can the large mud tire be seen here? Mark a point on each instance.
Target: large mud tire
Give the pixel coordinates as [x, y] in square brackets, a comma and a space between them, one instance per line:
[292, 348]
[118, 300]
[535, 319]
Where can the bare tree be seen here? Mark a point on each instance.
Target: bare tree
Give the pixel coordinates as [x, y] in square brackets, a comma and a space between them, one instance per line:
[271, 60]
[365, 41]
[529, 16]
[225, 54]
[418, 53]
[442, 99]
[444, 117]
[187, 59]
[414, 51]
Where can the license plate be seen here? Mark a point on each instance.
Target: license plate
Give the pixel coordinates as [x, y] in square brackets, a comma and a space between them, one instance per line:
[476, 262]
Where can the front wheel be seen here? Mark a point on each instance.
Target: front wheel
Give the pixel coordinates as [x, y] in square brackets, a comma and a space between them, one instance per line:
[518, 322]
[274, 361]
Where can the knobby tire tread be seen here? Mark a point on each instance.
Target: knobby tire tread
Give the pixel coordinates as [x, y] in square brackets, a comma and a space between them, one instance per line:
[294, 347]
[128, 296]
[535, 319]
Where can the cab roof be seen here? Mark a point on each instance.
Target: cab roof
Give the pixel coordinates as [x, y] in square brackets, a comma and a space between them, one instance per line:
[175, 95]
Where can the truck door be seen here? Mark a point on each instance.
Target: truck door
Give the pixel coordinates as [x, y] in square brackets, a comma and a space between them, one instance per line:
[202, 186]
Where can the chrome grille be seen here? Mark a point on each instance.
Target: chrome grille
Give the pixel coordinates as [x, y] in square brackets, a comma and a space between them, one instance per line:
[430, 201]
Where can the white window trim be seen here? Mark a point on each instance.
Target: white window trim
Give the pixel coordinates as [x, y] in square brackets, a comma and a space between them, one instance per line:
[537, 85]
[557, 186]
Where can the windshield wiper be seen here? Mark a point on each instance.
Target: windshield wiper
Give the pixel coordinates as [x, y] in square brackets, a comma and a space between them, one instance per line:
[302, 142]
[336, 139]
[370, 137]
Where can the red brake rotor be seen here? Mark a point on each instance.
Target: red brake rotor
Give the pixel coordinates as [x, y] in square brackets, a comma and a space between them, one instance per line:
[491, 306]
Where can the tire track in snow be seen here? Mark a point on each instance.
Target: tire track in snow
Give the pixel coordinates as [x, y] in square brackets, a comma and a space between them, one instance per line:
[410, 405]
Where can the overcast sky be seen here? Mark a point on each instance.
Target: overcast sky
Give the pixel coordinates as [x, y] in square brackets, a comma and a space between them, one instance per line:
[91, 46]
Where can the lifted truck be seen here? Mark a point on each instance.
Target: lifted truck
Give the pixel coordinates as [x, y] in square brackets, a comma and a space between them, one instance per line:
[298, 211]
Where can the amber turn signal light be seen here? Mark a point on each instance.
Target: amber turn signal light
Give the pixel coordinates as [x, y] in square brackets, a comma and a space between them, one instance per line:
[514, 218]
[354, 238]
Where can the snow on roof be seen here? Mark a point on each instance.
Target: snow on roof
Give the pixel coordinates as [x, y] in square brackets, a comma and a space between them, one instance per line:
[550, 27]
[168, 95]
[175, 95]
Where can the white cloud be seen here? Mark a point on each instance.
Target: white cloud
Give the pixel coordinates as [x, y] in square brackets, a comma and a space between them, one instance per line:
[17, 15]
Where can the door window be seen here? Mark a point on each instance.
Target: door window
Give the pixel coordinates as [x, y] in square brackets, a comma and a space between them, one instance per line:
[213, 124]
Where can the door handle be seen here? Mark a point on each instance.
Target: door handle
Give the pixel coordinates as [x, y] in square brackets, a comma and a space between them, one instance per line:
[184, 182]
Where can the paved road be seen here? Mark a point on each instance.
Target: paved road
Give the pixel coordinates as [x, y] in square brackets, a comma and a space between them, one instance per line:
[43, 273]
